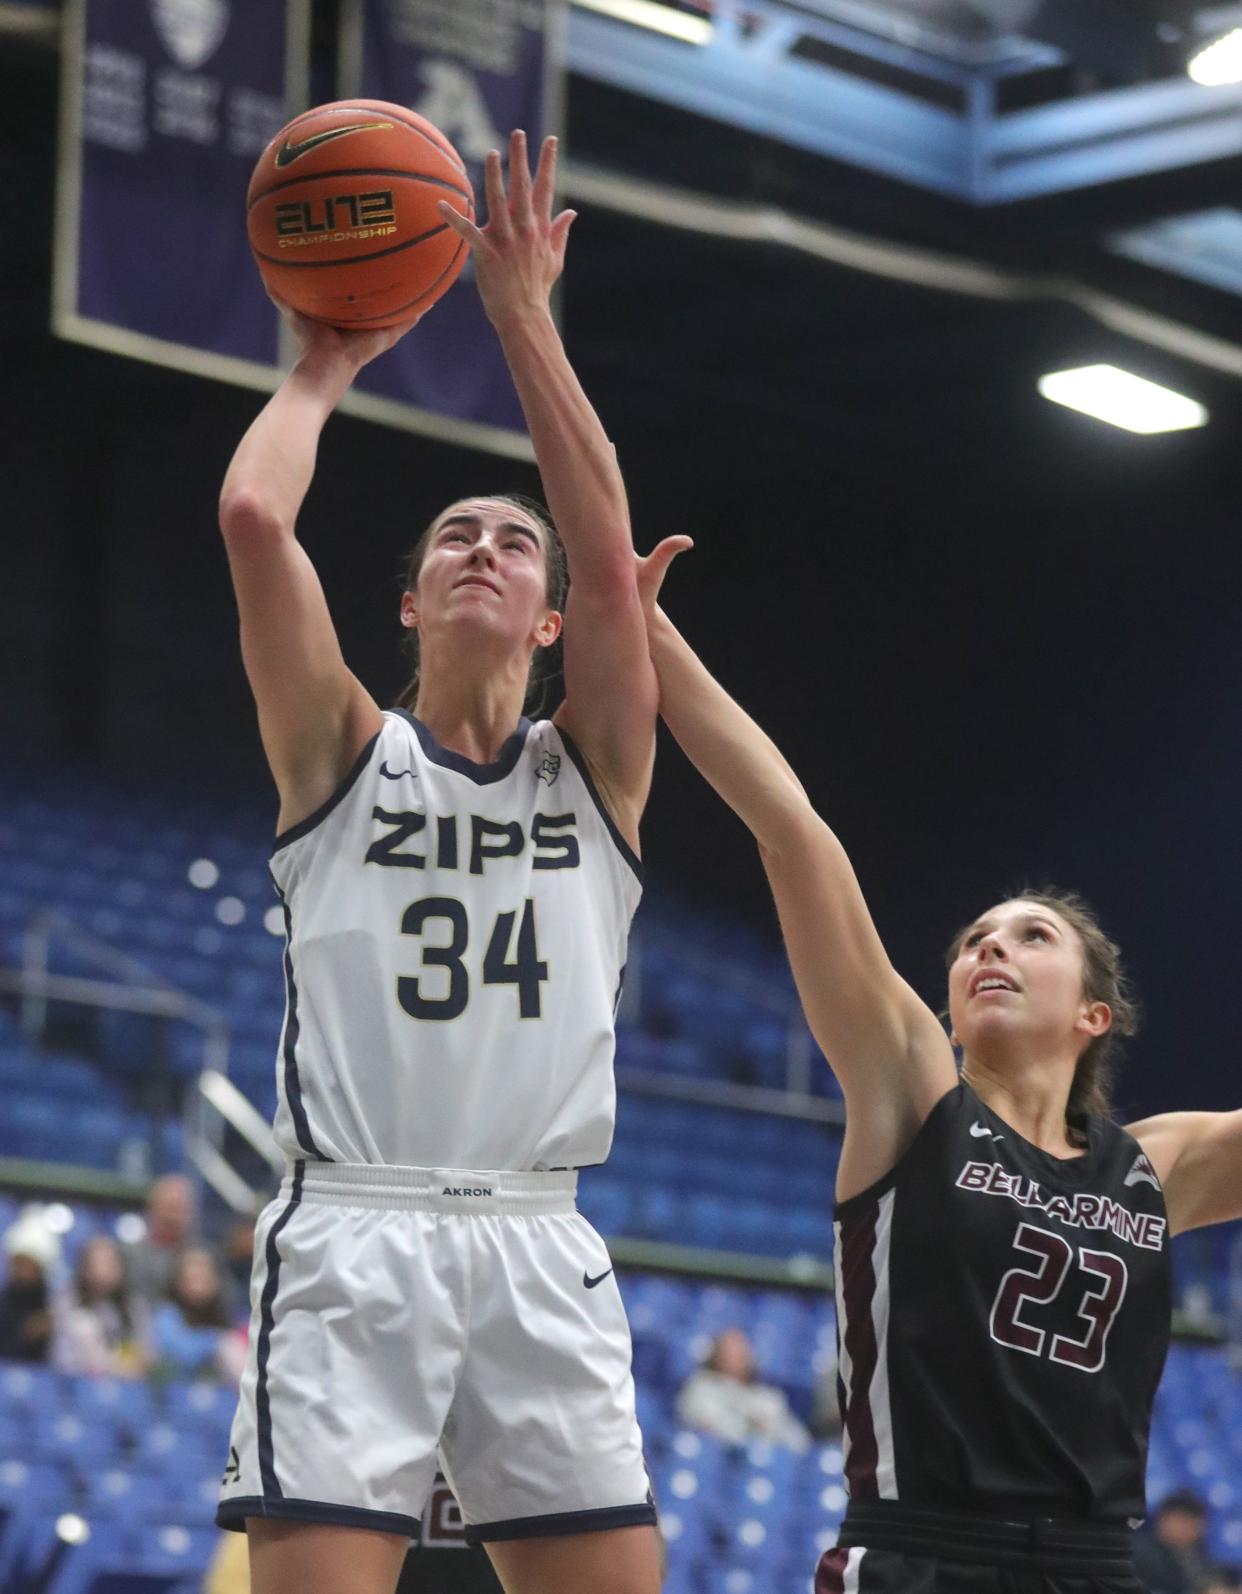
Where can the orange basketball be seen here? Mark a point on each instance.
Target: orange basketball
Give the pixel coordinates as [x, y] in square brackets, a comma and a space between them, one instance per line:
[341, 213]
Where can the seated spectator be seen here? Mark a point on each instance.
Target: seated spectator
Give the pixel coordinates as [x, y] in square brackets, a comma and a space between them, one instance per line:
[1170, 1555]
[149, 1262]
[1222, 1580]
[26, 1320]
[826, 1406]
[100, 1330]
[26, 1296]
[725, 1397]
[191, 1332]
[238, 1258]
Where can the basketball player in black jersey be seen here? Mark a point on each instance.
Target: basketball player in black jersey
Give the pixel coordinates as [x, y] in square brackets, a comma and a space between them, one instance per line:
[1002, 1267]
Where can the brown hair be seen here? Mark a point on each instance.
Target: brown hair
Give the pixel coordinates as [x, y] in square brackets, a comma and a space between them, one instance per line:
[212, 1313]
[1104, 979]
[557, 584]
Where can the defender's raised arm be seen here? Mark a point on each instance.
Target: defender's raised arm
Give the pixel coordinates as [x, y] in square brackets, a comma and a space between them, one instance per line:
[886, 1047]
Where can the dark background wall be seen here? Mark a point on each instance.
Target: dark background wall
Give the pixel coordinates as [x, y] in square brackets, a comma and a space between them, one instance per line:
[1000, 642]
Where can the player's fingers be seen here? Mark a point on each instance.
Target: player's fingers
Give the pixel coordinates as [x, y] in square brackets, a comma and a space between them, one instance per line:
[494, 189]
[653, 569]
[545, 179]
[461, 225]
[519, 179]
[664, 552]
[558, 237]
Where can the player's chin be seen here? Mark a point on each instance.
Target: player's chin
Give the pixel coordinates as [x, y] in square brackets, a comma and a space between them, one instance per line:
[484, 620]
[989, 1024]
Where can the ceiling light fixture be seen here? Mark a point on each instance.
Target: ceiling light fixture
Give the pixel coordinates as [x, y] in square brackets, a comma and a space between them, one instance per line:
[1220, 62]
[1123, 399]
[660, 19]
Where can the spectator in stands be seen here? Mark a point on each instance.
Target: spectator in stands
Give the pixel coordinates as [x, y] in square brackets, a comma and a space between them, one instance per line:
[826, 1407]
[238, 1260]
[1170, 1556]
[192, 1335]
[725, 1397]
[150, 1262]
[26, 1317]
[100, 1332]
[1222, 1580]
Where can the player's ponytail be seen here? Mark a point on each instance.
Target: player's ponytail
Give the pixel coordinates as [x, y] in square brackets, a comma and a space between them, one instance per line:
[545, 665]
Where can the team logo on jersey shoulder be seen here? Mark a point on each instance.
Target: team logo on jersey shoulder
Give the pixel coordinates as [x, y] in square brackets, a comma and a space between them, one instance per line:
[550, 769]
[1143, 1171]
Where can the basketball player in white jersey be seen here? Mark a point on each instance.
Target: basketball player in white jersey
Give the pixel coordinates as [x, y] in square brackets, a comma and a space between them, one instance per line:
[458, 885]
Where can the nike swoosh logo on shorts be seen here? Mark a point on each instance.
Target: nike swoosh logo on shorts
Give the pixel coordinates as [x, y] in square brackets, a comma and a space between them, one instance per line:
[590, 1282]
[288, 153]
[396, 774]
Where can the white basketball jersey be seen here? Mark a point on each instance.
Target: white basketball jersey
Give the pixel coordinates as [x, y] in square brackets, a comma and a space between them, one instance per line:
[456, 942]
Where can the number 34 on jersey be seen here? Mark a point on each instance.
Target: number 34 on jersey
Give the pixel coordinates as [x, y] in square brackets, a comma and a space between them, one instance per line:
[441, 990]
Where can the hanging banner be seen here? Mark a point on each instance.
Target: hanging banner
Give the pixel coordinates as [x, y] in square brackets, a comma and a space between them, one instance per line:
[166, 104]
[476, 69]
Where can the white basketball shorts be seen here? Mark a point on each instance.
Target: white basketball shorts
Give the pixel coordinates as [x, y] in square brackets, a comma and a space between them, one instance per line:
[395, 1311]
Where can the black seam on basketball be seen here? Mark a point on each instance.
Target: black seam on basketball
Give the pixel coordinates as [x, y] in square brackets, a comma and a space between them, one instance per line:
[360, 171]
[401, 309]
[351, 260]
[383, 315]
[445, 148]
[346, 109]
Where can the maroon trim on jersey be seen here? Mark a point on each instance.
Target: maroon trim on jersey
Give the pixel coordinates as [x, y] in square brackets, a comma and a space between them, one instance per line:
[857, 1295]
[830, 1573]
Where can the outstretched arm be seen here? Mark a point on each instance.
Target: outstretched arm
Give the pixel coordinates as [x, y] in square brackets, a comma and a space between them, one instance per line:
[1198, 1157]
[610, 703]
[315, 716]
[886, 1047]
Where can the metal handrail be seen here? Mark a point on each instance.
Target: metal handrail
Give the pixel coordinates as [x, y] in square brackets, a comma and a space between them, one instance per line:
[241, 1115]
[136, 988]
[801, 1051]
[723, 1093]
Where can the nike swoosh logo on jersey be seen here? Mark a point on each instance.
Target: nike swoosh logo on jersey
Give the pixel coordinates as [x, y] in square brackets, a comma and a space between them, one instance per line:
[396, 774]
[590, 1282]
[979, 1130]
[288, 153]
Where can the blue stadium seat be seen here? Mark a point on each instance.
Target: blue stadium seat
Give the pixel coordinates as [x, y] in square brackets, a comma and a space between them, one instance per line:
[166, 1443]
[605, 1202]
[54, 1543]
[35, 1392]
[172, 1549]
[124, 1403]
[78, 1446]
[199, 1407]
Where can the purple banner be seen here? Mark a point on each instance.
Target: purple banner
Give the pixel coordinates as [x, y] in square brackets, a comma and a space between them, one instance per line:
[476, 69]
[175, 100]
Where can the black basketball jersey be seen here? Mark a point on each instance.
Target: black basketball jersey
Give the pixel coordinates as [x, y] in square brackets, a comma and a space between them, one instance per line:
[1002, 1321]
